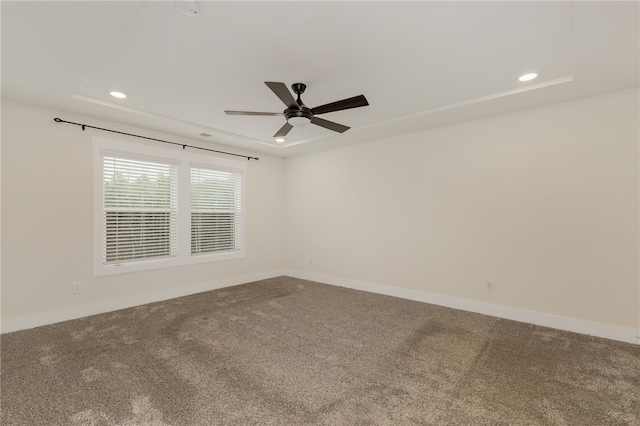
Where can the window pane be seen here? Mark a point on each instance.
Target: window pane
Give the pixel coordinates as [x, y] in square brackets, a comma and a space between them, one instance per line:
[131, 183]
[137, 235]
[212, 232]
[140, 199]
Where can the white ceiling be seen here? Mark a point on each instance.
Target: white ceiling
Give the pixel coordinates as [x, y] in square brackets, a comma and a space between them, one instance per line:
[420, 64]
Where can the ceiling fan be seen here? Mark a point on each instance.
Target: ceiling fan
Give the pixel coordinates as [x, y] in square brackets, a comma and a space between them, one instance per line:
[298, 114]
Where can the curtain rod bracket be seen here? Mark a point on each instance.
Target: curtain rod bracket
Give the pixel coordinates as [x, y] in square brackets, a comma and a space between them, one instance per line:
[184, 146]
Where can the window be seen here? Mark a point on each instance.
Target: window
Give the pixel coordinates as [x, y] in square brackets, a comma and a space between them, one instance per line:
[159, 207]
[215, 210]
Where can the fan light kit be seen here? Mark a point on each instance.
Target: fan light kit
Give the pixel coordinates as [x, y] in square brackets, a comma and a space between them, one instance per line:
[301, 121]
[528, 77]
[298, 114]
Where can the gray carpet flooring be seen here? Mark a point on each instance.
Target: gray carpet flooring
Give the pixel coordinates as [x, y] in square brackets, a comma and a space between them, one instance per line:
[290, 352]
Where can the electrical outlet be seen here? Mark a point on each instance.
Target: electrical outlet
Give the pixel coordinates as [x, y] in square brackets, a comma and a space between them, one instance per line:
[76, 287]
[489, 287]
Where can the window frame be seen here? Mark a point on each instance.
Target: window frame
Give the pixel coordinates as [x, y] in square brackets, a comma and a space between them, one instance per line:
[185, 160]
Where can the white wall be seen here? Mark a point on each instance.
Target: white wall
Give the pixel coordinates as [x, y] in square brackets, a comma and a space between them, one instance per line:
[47, 216]
[544, 204]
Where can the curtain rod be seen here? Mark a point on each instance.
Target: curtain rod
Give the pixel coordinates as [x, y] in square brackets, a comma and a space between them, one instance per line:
[84, 126]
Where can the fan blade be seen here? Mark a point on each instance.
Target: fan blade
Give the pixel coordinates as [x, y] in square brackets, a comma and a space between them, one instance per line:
[252, 113]
[283, 130]
[281, 91]
[355, 102]
[329, 125]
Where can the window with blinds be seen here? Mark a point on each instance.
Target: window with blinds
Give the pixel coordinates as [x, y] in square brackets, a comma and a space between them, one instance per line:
[215, 210]
[156, 208]
[140, 209]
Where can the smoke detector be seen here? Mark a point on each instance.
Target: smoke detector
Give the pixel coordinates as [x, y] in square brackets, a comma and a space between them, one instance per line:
[188, 8]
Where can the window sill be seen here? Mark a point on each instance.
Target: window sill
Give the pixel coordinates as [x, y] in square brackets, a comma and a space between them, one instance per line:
[171, 262]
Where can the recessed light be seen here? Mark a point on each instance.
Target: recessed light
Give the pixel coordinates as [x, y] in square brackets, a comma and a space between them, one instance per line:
[279, 140]
[528, 77]
[118, 95]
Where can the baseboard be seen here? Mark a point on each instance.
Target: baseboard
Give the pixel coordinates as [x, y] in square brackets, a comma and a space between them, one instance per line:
[592, 328]
[608, 331]
[129, 302]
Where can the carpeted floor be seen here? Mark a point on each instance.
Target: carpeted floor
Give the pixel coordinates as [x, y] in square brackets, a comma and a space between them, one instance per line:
[291, 352]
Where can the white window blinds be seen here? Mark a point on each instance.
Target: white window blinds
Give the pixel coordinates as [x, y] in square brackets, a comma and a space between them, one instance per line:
[140, 209]
[159, 208]
[215, 210]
